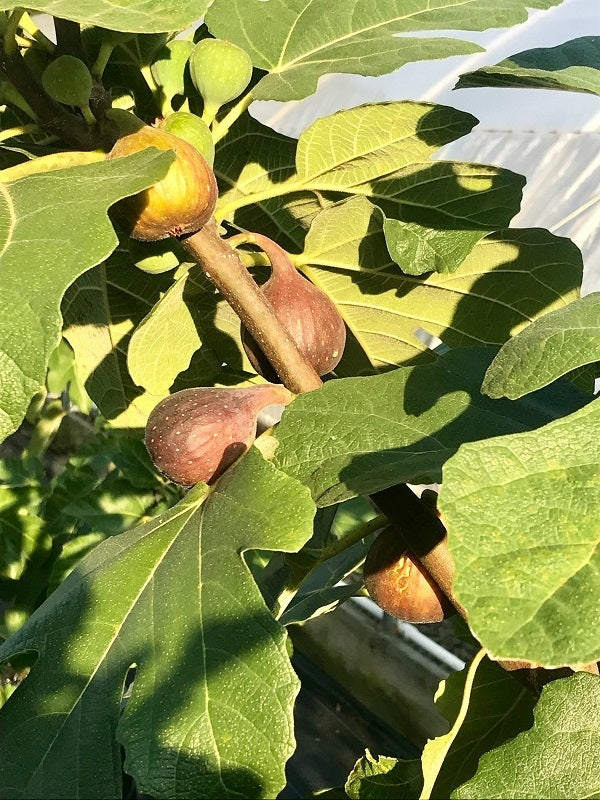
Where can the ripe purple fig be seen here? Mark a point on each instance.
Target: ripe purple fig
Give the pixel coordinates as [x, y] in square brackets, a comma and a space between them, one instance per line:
[195, 434]
[399, 584]
[310, 316]
[182, 202]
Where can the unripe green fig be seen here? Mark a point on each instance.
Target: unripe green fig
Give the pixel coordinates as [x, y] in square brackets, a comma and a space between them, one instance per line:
[399, 584]
[309, 315]
[68, 80]
[180, 203]
[169, 67]
[195, 434]
[194, 130]
[220, 71]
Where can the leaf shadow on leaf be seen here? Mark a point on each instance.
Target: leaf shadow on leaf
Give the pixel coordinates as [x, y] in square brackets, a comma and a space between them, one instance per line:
[443, 400]
[580, 52]
[529, 270]
[140, 698]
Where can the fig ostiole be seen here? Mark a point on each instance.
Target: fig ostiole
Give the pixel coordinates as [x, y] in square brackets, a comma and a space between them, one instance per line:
[181, 203]
[399, 584]
[310, 317]
[196, 434]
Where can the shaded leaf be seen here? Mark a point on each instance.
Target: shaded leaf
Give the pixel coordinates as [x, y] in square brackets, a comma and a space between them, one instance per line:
[485, 706]
[360, 435]
[499, 708]
[46, 245]
[521, 514]
[22, 532]
[436, 750]
[559, 757]
[550, 347]
[174, 597]
[573, 66]
[101, 311]
[297, 41]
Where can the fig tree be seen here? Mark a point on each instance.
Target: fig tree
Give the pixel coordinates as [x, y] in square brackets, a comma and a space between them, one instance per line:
[193, 129]
[220, 71]
[311, 318]
[399, 584]
[195, 434]
[181, 202]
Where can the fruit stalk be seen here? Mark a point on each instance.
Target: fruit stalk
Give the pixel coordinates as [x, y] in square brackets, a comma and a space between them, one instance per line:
[223, 266]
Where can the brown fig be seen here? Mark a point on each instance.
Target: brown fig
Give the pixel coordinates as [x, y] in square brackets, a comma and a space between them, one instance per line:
[195, 434]
[182, 202]
[399, 584]
[309, 315]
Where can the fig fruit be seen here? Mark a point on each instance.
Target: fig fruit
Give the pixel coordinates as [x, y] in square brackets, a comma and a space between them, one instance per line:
[220, 71]
[195, 434]
[399, 584]
[169, 67]
[179, 203]
[309, 315]
[194, 130]
[68, 80]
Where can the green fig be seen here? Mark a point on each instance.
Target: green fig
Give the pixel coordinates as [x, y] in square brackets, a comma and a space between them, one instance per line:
[68, 80]
[169, 67]
[193, 129]
[195, 434]
[182, 202]
[220, 71]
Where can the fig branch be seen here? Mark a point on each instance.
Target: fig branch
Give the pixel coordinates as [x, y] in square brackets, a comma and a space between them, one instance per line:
[223, 266]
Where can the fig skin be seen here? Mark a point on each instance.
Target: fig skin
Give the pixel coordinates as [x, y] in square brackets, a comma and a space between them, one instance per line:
[309, 315]
[399, 584]
[181, 203]
[68, 80]
[220, 71]
[195, 434]
[193, 129]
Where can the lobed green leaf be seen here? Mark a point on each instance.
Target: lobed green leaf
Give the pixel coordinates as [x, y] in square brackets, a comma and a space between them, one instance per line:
[54, 227]
[136, 16]
[360, 435]
[210, 710]
[521, 514]
[559, 757]
[551, 346]
[298, 41]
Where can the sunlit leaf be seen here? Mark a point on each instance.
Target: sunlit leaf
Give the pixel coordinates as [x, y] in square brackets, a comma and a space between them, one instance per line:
[297, 41]
[54, 227]
[521, 514]
[548, 348]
